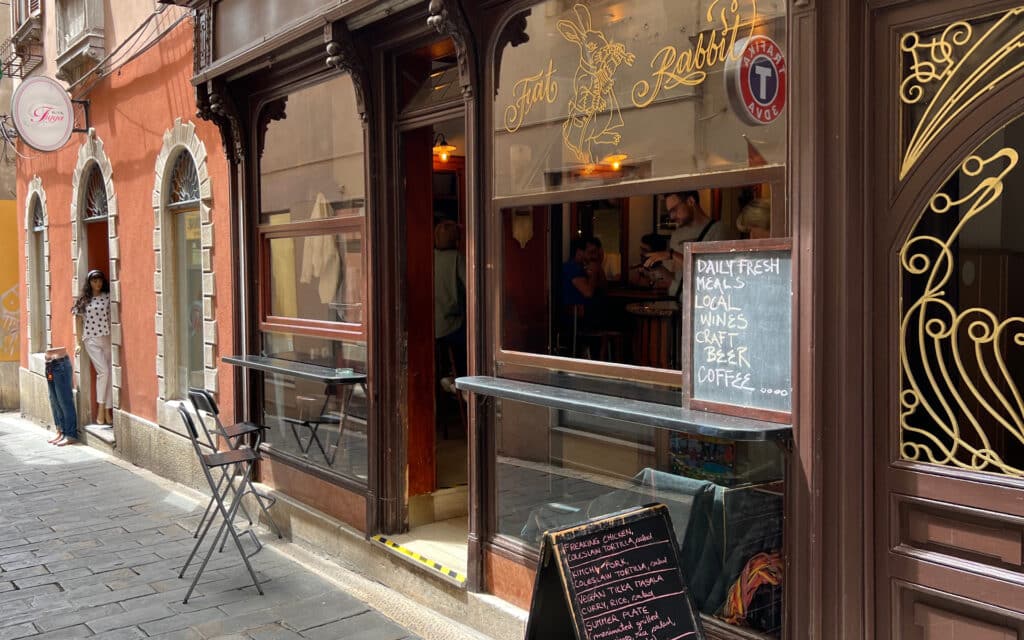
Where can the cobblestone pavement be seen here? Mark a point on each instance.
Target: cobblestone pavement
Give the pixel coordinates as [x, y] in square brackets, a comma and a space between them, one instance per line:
[91, 549]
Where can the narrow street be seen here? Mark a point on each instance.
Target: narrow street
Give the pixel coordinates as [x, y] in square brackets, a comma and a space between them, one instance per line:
[91, 548]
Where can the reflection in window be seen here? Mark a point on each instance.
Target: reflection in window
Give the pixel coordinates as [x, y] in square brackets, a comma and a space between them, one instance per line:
[324, 425]
[580, 100]
[311, 253]
[188, 279]
[315, 150]
[555, 469]
[610, 290]
[317, 277]
[962, 325]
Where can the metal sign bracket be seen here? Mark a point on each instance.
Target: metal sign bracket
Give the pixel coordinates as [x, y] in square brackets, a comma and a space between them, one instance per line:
[86, 124]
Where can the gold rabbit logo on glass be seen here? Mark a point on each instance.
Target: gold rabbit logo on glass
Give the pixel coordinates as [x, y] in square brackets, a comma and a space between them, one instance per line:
[594, 115]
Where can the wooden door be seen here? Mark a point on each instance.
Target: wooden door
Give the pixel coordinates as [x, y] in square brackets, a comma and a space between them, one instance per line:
[419, 296]
[948, 322]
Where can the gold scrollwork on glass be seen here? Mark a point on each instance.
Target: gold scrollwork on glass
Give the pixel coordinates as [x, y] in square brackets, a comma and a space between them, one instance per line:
[962, 63]
[957, 388]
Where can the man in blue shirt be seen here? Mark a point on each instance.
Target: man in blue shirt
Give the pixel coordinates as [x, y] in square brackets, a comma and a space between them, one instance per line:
[583, 275]
[583, 287]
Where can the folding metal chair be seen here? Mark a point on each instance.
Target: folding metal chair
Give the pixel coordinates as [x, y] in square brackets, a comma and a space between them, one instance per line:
[242, 460]
[234, 435]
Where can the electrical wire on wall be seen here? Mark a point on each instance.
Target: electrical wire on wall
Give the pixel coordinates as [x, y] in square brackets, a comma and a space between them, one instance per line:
[158, 24]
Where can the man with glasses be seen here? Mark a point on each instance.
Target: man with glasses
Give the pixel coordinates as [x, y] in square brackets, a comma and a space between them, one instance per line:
[692, 225]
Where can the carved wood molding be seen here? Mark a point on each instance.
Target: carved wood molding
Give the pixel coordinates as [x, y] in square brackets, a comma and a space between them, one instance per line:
[274, 110]
[447, 18]
[215, 104]
[514, 34]
[343, 56]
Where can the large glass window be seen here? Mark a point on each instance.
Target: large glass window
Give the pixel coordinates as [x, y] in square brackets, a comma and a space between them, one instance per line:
[189, 279]
[311, 256]
[622, 132]
[188, 274]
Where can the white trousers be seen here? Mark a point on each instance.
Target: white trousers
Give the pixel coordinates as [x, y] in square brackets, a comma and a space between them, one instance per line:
[99, 352]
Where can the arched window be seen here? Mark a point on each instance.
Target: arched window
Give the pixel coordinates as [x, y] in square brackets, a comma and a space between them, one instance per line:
[37, 275]
[187, 252]
[184, 182]
[95, 195]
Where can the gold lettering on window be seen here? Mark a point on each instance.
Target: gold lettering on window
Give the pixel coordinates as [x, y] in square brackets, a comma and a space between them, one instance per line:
[673, 67]
[528, 92]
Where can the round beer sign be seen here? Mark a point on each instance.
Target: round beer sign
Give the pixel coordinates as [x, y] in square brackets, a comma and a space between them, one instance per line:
[43, 113]
[755, 80]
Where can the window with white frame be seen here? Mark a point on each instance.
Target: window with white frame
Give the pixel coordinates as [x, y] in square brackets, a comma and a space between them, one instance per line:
[187, 270]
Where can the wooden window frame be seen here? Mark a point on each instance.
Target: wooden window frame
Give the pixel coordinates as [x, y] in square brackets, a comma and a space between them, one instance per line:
[350, 331]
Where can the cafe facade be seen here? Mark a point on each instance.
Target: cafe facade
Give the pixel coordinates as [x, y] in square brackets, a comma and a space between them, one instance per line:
[384, 155]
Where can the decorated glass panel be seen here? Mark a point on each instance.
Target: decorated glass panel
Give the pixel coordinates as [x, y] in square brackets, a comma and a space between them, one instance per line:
[948, 69]
[38, 217]
[604, 91]
[184, 181]
[962, 326]
[95, 195]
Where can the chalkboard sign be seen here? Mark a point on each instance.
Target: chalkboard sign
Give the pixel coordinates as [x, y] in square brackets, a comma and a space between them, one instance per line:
[613, 578]
[737, 322]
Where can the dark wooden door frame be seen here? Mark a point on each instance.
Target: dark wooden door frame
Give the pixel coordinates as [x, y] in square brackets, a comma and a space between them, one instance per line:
[390, 508]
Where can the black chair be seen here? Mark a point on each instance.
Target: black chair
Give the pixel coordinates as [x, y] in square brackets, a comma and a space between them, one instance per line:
[234, 435]
[235, 461]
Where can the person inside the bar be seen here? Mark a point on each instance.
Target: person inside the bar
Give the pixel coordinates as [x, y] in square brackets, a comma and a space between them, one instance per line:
[755, 219]
[449, 303]
[693, 225]
[584, 287]
[642, 276]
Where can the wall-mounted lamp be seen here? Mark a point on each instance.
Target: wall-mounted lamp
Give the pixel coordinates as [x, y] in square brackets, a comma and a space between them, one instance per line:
[441, 147]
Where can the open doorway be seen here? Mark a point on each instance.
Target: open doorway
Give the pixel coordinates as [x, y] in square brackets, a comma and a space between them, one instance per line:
[437, 446]
[94, 254]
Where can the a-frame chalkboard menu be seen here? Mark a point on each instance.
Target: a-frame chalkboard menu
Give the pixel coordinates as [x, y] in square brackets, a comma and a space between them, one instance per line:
[613, 578]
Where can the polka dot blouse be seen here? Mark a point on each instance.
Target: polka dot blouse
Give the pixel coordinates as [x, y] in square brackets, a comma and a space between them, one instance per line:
[96, 319]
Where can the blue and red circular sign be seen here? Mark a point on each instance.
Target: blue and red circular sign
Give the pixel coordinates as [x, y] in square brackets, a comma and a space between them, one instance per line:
[755, 79]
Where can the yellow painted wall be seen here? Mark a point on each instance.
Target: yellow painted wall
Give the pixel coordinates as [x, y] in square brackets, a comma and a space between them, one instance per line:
[10, 302]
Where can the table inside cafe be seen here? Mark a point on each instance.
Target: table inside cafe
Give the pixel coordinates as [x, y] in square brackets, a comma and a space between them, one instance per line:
[651, 319]
[339, 383]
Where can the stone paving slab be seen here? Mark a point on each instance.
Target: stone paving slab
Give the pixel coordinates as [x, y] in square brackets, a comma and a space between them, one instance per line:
[90, 549]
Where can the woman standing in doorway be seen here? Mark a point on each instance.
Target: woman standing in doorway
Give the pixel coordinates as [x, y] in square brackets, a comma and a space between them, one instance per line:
[92, 311]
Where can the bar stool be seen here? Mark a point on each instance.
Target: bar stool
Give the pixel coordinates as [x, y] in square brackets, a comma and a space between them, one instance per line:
[204, 404]
[236, 460]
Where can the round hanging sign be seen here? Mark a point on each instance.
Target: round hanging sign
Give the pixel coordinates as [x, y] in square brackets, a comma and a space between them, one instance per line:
[43, 113]
[755, 80]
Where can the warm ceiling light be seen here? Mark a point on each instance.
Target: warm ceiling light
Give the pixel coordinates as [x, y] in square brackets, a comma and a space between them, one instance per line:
[441, 147]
